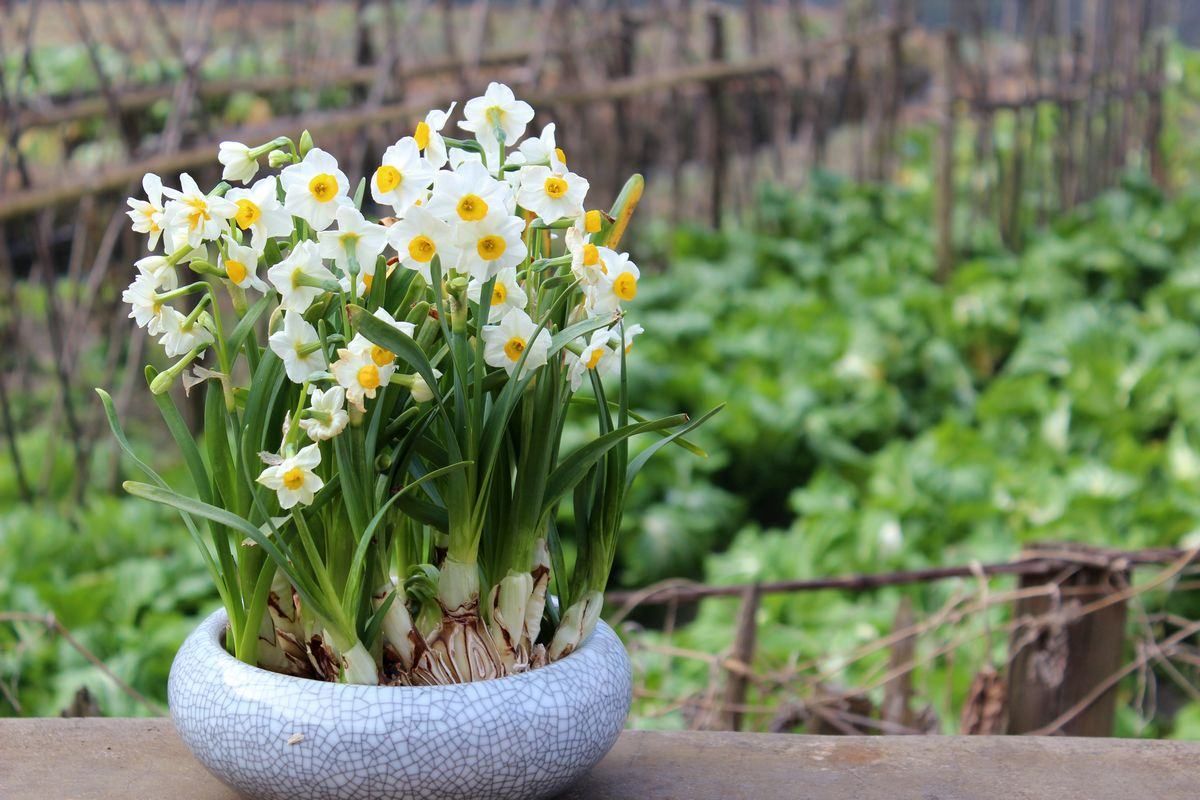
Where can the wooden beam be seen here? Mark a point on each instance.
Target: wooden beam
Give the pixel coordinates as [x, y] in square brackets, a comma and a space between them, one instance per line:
[128, 759]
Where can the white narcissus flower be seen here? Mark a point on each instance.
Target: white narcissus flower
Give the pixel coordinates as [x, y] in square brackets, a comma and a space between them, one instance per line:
[147, 215]
[497, 117]
[241, 266]
[239, 165]
[597, 355]
[506, 292]
[428, 136]
[382, 357]
[540, 149]
[626, 337]
[180, 336]
[145, 307]
[552, 194]
[586, 265]
[421, 392]
[402, 177]
[299, 347]
[469, 194]
[354, 234]
[293, 478]
[160, 272]
[325, 417]
[315, 188]
[193, 217]
[259, 212]
[490, 245]
[293, 277]
[618, 286]
[504, 344]
[361, 377]
[419, 237]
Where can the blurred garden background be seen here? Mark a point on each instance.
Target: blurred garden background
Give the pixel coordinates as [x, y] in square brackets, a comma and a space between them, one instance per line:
[941, 260]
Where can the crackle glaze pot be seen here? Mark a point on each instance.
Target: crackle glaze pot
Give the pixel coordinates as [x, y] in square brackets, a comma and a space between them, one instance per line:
[277, 737]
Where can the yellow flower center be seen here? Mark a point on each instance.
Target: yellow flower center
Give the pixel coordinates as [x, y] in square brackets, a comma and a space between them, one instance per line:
[323, 187]
[490, 247]
[367, 279]
[625, 286]
[381, 357]
[592, 221]
[293, 479]
[368, 376]
[198, 213]
[499, 294]
[555, 187]
[472, 208]
[513, 348]
[421, 134]
[422, 249]
[248, 213]
[387, 178]
[591, 256]
[236, 271]
[560, 155]
[594, 360]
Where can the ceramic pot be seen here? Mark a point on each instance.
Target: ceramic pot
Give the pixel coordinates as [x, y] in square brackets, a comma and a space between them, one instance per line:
[278, 737]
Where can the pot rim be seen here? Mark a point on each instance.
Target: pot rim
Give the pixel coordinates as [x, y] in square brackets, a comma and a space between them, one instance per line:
[211, 630]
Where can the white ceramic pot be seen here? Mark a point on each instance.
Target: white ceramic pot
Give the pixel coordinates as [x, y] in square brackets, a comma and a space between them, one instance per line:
[276, 737]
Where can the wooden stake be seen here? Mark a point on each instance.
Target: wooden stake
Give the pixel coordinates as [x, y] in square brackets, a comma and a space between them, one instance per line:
[944, 195]
[1060, 658]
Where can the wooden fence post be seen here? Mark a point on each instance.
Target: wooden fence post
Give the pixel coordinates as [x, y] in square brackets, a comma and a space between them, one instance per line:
[743, 652]
[1062, 657]
[716, 108]
[944, 192]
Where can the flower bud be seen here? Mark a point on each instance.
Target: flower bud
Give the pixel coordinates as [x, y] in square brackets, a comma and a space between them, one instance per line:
[279, 158]
[306, 143]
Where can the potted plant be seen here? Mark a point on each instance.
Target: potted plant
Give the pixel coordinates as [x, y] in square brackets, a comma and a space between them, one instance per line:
[378, 481]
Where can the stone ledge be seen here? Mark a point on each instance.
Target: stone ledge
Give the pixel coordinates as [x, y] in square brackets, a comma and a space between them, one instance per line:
[143, 759]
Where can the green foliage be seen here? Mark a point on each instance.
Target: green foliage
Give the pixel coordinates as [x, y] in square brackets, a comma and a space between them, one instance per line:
[877, 420]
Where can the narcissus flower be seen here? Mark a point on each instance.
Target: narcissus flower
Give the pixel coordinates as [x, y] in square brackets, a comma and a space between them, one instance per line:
[504, 344]
[626, 338]
[506, 292]
[469, 194]
[382, 357]
[145, 307]
[419, 237]
[586, 265]
[552, 194]
[402, 177]
[360, 375]
[315, 188]
[428, 136]
[301, 277]
[147, 215]
[492, 244]
[259, 212]
[293, 478]
[181, 334]
[239, 164]
[497, 117]
[193, 217]
[298, 347]
[241, 266]
[159, 270]
[354, 235]
[618, 286]
[421, 392]
[325, 416]
[598, 355]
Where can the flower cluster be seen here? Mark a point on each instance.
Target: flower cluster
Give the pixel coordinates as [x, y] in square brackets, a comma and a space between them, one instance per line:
[474, 207]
